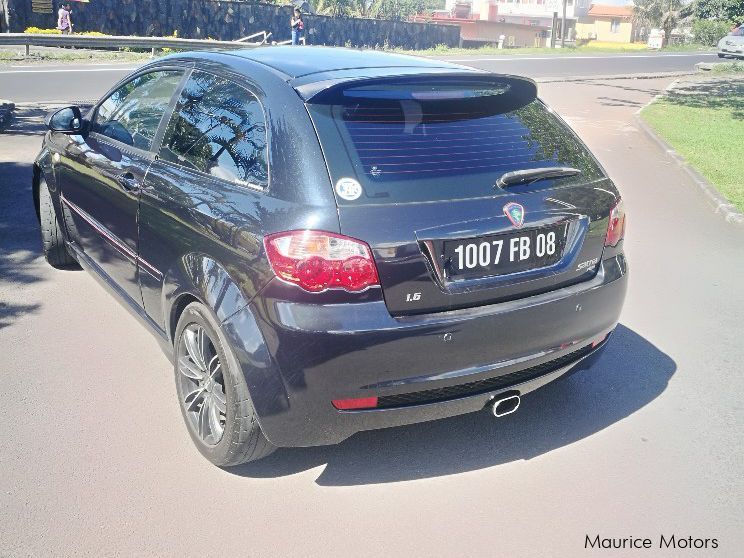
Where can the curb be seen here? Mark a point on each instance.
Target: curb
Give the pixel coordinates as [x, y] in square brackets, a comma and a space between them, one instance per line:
[654, 75]
[720, 204]
[6, 113]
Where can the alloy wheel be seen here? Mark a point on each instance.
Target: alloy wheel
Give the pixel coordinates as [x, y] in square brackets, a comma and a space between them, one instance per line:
[201, 384]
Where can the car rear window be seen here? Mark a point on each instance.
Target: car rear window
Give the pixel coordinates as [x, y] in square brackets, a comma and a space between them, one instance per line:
[443, 141]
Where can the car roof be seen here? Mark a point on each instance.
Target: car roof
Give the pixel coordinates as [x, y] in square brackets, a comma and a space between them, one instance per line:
[296, 61]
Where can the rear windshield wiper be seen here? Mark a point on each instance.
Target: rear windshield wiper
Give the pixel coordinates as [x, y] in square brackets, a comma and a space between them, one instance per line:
[530, 175]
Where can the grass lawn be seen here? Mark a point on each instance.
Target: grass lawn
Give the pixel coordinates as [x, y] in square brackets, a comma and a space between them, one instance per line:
[704, 122]
[78, 55]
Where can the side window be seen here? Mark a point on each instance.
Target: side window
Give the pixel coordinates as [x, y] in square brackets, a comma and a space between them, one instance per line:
[132, 113]
[218, 128]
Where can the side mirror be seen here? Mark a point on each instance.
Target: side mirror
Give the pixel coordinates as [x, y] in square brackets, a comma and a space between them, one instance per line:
[67, 120]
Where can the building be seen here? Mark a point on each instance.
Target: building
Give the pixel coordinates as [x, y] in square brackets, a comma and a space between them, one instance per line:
[519, 23]
[532, 13]
[614, 24]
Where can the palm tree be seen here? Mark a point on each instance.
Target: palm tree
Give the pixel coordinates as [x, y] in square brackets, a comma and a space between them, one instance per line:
[665, 14]
[335, 7]
[363, 8]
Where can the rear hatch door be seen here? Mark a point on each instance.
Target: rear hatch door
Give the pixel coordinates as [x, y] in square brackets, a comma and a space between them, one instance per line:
[416, 163]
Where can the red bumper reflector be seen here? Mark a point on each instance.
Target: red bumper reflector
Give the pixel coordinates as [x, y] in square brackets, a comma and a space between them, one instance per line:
[361, 403]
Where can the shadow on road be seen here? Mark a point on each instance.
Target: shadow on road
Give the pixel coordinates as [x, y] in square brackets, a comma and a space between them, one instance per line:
[27, 121]
[631, 373]
[720, 94]
[20, 245]
[615, 102]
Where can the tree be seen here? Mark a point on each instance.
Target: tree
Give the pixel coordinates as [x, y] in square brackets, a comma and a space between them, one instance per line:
[363, 8]
[665, 14]
[336, 7]
[378, 9]
[728, 10]
[709, 31]
[395, 9]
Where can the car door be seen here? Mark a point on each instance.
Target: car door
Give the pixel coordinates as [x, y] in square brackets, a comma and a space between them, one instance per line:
[205, 191]
[101, 174]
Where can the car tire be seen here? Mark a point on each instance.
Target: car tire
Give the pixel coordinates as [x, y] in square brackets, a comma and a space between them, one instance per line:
[223, 388]
[52, 238]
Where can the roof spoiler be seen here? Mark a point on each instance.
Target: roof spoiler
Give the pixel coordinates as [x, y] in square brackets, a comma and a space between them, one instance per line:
[512, 91]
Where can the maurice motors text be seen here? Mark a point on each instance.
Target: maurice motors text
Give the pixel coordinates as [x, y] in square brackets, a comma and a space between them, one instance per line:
[664, 541]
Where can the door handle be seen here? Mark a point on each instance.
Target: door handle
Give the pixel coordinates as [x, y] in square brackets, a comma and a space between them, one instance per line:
[128, 181]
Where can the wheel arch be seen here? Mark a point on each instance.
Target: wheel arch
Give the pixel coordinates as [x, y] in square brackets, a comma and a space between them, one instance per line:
[200, 278]
[35, 181]
[42, 167]
[177, 308]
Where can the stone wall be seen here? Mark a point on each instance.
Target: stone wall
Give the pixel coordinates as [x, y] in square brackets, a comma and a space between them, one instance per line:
[200, 19]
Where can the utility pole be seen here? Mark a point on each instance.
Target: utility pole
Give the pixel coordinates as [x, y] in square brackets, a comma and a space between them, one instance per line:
[563, 25]
[553, 29]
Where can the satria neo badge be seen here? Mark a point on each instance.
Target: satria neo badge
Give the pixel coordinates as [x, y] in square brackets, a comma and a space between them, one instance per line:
[515, 213]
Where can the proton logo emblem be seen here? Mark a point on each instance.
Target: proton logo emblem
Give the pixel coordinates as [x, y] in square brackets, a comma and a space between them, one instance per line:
[515, 213]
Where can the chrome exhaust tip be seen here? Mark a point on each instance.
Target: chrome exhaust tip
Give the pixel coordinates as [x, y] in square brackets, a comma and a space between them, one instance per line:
[505, 405]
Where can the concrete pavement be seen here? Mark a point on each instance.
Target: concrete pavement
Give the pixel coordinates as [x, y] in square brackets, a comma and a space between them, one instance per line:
[95, 459]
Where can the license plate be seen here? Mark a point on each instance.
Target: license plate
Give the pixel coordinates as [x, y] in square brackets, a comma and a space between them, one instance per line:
[505, 253]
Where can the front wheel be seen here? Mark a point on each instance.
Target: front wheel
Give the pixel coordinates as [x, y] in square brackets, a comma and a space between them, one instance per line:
[213, 394]
[52, 239]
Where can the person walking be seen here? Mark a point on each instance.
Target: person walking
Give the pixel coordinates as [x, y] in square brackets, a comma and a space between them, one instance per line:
[298, 27]
[64, 19]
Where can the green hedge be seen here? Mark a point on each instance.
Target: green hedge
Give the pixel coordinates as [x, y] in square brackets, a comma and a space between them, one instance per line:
[710, 31]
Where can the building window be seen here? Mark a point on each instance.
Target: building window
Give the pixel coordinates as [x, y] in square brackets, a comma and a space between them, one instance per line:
[615, 26]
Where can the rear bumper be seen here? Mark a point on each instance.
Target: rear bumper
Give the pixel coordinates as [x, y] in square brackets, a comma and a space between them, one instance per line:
[297, 358]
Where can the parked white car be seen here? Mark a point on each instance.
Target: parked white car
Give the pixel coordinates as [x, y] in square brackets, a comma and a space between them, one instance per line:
[732, 44]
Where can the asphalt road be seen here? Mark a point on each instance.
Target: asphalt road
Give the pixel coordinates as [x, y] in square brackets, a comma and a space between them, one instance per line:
[85, 82]
[95, 460]
[587, 65]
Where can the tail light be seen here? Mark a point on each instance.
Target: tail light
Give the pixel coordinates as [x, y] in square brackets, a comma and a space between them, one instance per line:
[317, 260]
[616, 225]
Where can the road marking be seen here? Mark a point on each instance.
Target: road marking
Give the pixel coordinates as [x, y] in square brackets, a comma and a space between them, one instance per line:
[571, 57]
[91, 64]
[67, 70]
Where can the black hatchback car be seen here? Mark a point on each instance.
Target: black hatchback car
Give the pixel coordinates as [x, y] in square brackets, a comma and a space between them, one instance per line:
[326, 241]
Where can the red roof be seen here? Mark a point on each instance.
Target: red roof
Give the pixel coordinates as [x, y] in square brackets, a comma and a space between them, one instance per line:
[601, 10]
